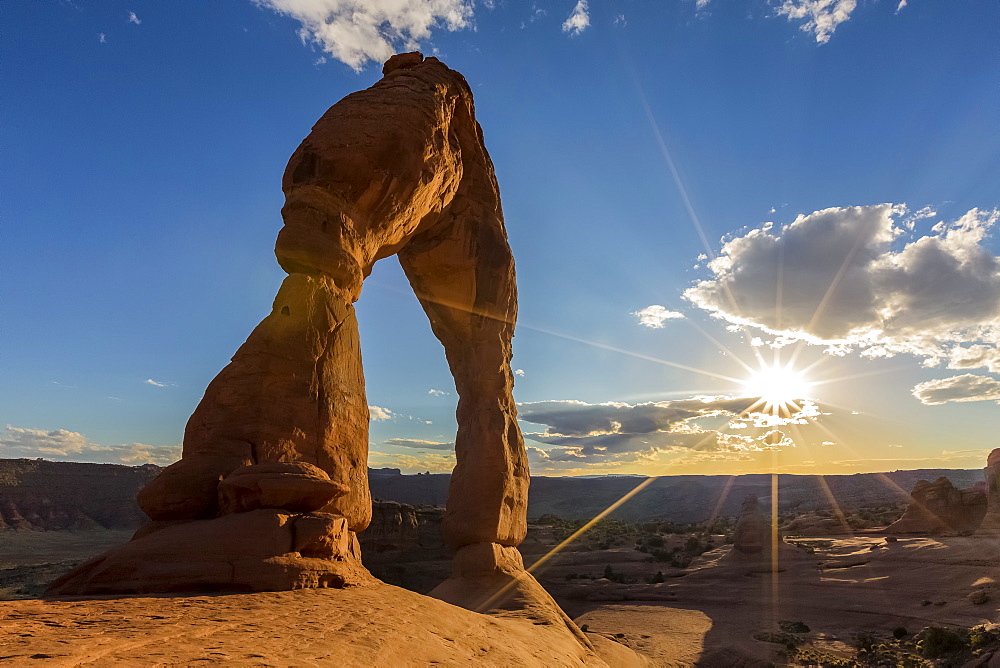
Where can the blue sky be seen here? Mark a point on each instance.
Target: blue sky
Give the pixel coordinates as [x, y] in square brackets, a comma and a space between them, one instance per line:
[648, 153]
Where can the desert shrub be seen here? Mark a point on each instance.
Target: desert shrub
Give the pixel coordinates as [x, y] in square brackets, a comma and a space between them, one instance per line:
[900, 632]
[656, 579]
[936, 641]
[654, 540]
[980, 636]
[608, 572]
[793, 627]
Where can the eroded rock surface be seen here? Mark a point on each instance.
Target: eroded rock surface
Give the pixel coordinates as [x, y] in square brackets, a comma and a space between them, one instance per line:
[281, 435]
[938, 507]
[991, 519]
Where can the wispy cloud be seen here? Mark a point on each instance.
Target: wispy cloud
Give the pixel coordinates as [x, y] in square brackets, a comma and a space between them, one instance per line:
[101, 38]
[518, 372]
[819, 17]
[418, 444]
[132, 18]
[379, 413]
[63, 445]
[853, 278]
[156, 383]
[578, 20]
[655, 315]
[357, 32]
[437, 393]
[902, 3]
[966, 387]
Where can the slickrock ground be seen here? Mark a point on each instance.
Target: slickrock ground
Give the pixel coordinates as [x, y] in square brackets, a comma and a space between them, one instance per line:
[378, 625]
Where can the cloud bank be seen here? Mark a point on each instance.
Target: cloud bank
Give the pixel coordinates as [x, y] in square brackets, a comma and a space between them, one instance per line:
[359, 31]
[63, 445]
[966, 387]
[614, 434]
[833, 278]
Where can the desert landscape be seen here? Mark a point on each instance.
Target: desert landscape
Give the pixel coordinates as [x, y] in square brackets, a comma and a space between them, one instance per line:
[674, 593]
[756, 300]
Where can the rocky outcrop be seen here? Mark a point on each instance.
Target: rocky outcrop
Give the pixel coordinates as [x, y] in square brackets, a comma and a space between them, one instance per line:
[280, 438]
[938, 507]
[756, 546]
[40, 495]
[401, 532]
[752, 535]
[990, 525]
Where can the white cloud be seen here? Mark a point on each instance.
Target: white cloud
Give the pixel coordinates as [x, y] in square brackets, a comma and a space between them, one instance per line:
[418, 444]
[358, 31]
[820, 17]
[379, 413]
[156, 383]
[701, 4]
[851, 281]
[578, 20]
[63, 445]
[132, 18]
[966, 387]
[518, 372]
[101, 38]
[655, 315]
[902, 3]
[437, 393]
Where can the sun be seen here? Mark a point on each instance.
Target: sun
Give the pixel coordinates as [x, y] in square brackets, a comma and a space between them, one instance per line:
[777, 385]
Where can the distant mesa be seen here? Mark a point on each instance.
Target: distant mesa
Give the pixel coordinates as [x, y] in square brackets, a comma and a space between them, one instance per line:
[939, 507]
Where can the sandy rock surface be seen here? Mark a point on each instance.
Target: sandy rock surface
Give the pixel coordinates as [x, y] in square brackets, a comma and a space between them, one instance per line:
[377, 625]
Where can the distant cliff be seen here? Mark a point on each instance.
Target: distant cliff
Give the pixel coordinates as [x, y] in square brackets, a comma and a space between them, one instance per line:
[685, 498]
[52, 496]
[61, 495]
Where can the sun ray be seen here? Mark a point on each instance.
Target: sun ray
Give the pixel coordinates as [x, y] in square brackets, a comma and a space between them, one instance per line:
[630, 353]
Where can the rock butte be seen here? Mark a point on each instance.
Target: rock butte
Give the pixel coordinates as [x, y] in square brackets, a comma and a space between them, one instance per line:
[939, 507]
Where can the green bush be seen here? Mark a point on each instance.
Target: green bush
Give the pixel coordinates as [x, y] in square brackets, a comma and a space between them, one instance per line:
[936, 641]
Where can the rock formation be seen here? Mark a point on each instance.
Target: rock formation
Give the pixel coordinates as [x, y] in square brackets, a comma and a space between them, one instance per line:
[752, 535]
[938, 507]
[272, 485]
[990, 525]
[755, 547]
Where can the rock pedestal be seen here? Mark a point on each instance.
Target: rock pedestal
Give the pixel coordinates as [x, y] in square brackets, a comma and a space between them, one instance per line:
[397, 169]
[939, 507]
[990, 525]
[754, 548]
[752, 535]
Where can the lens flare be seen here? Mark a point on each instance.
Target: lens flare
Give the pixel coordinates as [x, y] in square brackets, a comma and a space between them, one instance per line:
[777, 385]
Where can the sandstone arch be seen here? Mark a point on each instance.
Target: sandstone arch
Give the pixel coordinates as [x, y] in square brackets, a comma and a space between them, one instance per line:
[277, 448]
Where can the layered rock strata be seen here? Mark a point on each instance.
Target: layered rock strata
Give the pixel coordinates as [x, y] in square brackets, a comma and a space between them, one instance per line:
[397, 169]
[939, 507]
